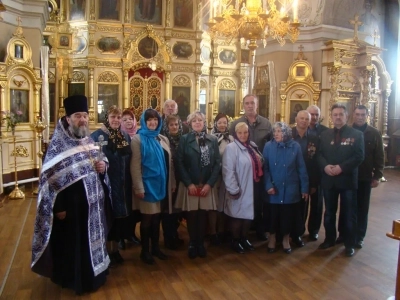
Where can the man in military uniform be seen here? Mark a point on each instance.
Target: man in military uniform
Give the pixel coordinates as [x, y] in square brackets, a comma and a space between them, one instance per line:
[341, 152]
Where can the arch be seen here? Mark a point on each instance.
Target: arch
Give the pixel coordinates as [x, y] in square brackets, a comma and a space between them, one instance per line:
[77, 76]
[181, 80]
[203, 84]
[162, 59]
[108, 76]
[227, 84]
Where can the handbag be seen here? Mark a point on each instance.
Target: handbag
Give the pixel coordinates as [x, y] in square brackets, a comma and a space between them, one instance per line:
[198, 192]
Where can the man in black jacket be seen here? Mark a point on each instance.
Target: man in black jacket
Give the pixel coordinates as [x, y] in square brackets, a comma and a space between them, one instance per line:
[369, 172]
[316, 199]
[309, 146]
[315, 127]
[341, 152]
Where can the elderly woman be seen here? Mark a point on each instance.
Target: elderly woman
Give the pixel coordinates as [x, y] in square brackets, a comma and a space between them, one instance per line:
[242, 165]
[129, 125]
[198, 163]
[173, 130]
[118, 154]
[286, 182]
[216, 217]
[153, 181]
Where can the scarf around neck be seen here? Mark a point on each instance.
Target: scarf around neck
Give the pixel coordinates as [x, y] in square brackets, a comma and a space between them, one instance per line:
[205, 152]
[154, 170]
[220, 135]
[173, 138]
[116, 140]
[255, 159]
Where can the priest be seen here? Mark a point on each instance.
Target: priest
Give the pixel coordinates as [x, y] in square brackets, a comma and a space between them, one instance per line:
[69, 241]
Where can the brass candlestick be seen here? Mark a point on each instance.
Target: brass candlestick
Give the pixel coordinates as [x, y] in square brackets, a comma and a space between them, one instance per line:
[16, 194]
[39, 127]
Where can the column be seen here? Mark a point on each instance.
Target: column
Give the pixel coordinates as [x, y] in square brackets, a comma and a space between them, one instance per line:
[36, 98]
[197, 91]
[283, 107]
[91, 95]
[366, 92]
[168, 90]
[125, 90]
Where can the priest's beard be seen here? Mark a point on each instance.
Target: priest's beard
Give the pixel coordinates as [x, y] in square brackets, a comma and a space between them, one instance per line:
[79, 131]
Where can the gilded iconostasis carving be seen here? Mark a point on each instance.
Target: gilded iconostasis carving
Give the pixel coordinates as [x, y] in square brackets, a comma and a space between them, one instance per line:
[136, 54]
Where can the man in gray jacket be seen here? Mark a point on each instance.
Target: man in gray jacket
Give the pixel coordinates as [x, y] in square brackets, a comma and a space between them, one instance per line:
[260, 130]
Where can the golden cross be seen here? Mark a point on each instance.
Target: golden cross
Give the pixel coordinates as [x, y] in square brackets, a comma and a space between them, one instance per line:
[356, 23]
[19, 21]
[301, 48]
[375, 36]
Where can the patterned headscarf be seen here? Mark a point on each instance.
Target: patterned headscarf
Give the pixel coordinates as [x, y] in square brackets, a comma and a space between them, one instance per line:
[286, 131]
[256, 160]
[131, 131]
[173, 138]
[220, 135]
[116, 140]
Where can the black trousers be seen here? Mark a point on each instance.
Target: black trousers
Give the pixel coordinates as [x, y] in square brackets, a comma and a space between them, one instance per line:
[363, 200]
[347, 218]
[260, 207]
[316, 204]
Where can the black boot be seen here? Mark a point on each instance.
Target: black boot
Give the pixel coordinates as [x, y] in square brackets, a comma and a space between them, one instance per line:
[155, 240]
[201, 249]
[145, 255]
[237, 246]
[192, 250]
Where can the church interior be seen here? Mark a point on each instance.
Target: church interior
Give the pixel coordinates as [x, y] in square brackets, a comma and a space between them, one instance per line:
[206, 55]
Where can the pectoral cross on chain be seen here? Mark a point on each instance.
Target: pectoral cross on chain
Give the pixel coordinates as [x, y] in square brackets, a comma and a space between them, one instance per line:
[100, 143]
[356, 23]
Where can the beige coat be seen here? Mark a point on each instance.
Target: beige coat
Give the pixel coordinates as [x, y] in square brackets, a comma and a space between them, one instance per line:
[136, 172]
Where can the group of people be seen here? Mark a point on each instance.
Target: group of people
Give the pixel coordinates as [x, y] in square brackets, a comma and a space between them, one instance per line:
[94, 188]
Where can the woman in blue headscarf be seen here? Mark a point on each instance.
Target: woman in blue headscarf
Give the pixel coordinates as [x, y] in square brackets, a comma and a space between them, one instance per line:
[153, 181]
[286, 182]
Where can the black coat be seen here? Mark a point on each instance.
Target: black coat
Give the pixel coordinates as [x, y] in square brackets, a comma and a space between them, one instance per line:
[348, 154]
[188, 162]
[310, 158]
[372, 166]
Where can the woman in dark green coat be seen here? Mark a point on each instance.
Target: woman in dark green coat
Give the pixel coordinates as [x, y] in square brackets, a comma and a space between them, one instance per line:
[198, 164]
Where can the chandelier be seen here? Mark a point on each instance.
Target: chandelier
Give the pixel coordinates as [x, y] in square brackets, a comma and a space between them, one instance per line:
[254, 20]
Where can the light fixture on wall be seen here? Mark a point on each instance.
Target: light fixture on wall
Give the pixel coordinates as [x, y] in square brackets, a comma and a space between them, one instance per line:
[254, 20]
[153, 65]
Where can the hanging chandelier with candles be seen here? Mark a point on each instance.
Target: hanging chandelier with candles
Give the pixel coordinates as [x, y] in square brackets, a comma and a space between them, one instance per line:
[254, 20]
